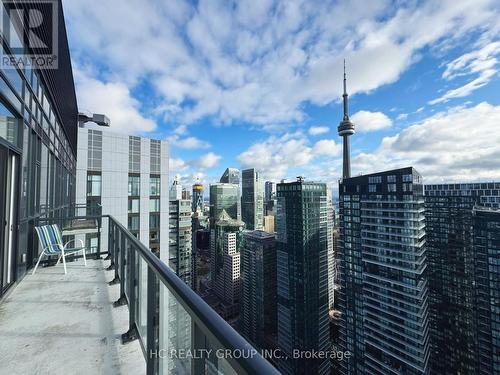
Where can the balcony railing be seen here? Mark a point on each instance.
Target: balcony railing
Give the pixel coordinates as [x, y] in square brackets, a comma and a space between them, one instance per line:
[179, 332]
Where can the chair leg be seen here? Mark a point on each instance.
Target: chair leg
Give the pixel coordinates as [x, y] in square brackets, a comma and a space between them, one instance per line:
[64, 262]
[37, 263]
[58, 260]
[84, 258]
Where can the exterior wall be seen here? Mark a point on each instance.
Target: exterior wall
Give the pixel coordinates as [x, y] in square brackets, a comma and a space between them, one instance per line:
[252, 199]
[114, 168]
[452, 284]
[38, 131]
[258, 316]
[302, 275]
[383, 296]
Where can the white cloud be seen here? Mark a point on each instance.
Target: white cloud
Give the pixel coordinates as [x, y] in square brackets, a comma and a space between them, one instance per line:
[207, 161]
[402, 116]
[366, 121]
[448, 146]
[317, 130]
[212, 59]
[481, 62]
[114, 100]
[177, 165]
[189, 143]
[327, 147]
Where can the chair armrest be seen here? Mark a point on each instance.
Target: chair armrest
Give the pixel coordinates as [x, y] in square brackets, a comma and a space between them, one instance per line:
[67, 243]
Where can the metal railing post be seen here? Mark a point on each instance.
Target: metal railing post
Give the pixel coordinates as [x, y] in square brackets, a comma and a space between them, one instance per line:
[123, 298]
[116, 253]
[131, 334]
[111, 252]
[151, 348]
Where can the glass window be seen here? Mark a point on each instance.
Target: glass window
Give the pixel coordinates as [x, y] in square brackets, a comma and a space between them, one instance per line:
[9, 126]
[94, 185]
[154, 205]
[154, 185]
[391, 187]
[372, 188]
[391, 178]
[133, 206]
[133, 223]
[134, 186]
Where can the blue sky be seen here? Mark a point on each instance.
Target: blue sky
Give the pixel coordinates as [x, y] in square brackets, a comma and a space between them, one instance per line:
[258, 83]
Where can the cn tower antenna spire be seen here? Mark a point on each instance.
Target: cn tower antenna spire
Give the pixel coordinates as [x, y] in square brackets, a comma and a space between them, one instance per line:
[346, 129]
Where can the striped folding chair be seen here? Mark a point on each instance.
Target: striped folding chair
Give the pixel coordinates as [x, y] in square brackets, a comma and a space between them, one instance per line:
[51, 241]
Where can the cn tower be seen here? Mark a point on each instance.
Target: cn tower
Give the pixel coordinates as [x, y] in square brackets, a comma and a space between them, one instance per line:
[346, 129]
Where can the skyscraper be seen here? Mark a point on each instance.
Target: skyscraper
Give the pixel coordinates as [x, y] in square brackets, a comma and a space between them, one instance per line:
[252, 199]
[258, 308]
[128, 177]
[346, 129]
[302, 275]
[224, 262]
[383, 297]
[198, 203]
[224, 197]
[180, 236]
[231, 176]
[486, 263]
[452, 258]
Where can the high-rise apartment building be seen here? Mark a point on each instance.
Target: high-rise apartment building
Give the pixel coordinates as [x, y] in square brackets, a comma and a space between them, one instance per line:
[128, 177]
[302, 273]
[383, 297]
[486, 264]
[38, 140]
[252, 199]
[258, 308]
[451, 258]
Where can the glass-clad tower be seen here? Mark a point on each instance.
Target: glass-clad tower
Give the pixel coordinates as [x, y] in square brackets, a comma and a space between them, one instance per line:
[252, 199]
[302, 275]
[452, 257]
[224, 197]
[383, 296]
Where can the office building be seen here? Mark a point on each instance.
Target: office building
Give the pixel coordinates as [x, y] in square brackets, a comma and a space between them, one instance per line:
[198, 204]
[252, 199]
[452, 284]
[269, 224]
[128, 177]
[224, 197]
[224, 263]
[302, 245]
[180, 236]
[230, 176]
[383, 283]
[258, 307]
[269, 198]
[38, 140]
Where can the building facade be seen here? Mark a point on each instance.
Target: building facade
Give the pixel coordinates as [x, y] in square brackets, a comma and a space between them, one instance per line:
[38, 140]
[486, 263]
[224, 197]
[128, 177]
[258, 308]
[452, 286]
[252, 199]
[180, 239]
[302, 275]
[383, 284]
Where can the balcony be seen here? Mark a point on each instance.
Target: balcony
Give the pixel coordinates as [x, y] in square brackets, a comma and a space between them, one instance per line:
[125, 314]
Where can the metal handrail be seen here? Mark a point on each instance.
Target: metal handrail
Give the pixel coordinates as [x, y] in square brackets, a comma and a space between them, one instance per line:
[210, 323]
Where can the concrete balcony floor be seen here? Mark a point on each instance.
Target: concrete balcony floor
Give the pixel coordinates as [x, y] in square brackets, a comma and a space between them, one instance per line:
[53, 323]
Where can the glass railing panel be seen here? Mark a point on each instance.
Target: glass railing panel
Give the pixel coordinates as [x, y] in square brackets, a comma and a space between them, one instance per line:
[142, 305]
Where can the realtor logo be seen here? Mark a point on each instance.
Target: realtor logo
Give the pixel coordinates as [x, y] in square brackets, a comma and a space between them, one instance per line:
[30, 31]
